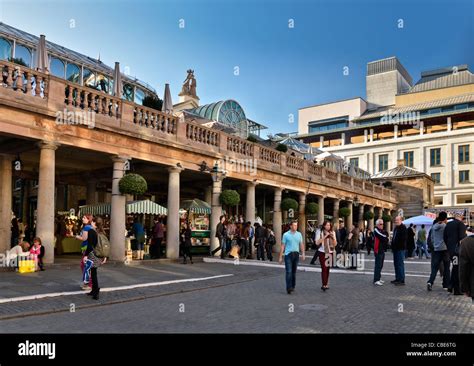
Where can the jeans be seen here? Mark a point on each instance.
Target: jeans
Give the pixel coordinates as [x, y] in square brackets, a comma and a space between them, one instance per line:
[83, 269]
[437, 258]
[245, 248]
[268, 249]
[379, 259]
[291, 265]
[398, 263]
[86, 276]
[423, 248]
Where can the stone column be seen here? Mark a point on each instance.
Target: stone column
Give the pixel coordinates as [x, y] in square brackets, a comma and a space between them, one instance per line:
[302, 216]
[395, 131]
[91, 191]
[277, 219]
[5, 201]
[388, 225]
[361, 216]
[45, 219]
[208, 195]
[321, 210]
[172, 222]
[216, 211]
[250, 202]
[335, 214]
[117, 214]
[371, 221]
[350, 218]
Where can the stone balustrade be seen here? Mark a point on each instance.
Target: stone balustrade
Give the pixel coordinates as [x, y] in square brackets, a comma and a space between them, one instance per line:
[154, 119]
[204, 135]
[240, 146]
[270, 155]
[24, 80]
[345, 179]
[294, 163]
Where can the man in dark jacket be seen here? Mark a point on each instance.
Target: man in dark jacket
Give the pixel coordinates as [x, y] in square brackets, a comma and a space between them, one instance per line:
[399, 245]
[260, 241]
[341, 235]
[220, 235]
[454, 232]
[466, 266]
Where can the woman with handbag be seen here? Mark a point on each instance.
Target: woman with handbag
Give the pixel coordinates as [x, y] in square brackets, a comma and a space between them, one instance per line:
[92, 261]
[325, 240]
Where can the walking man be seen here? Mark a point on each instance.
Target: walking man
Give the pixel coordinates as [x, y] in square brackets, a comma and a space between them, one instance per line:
[421, 241]
[454, 232]
[380, 245]
[399, 245]
[291, 246]
[440, 251]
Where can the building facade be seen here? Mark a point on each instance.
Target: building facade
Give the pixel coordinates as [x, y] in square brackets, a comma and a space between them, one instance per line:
[429, 124]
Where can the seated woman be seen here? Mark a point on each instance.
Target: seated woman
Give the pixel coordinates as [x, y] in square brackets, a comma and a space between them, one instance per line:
[18, 252]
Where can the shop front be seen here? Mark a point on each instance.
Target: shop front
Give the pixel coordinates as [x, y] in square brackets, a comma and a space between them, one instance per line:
[197, 213]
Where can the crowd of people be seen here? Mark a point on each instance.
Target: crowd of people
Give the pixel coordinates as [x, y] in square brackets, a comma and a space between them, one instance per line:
[236, 237]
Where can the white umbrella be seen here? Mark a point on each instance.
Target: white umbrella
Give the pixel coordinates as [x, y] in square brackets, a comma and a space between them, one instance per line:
[167, 103]
[117, 81]
[42, 60]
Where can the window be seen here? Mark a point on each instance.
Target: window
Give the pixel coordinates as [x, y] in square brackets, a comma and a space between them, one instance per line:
[408, 157]
[139, 96]
[464, 176]
[5, 49]
[383, 162]
[103, 83]
[435, 157]
[128, 92]
[73, 73]
[23, 53]
[463, 154]
[438, 201]
[88, 78]
[354, 162]
[436, 177]
[463, 199]
[57, 67]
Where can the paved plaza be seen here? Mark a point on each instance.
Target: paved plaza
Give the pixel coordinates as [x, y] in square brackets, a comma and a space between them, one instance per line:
[225, 296]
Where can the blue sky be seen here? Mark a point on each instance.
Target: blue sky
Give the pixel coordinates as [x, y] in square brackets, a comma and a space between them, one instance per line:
[281, 69]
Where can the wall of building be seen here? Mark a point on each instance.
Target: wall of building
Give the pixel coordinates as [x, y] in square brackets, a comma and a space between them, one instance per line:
[448, 141]
[352, 108]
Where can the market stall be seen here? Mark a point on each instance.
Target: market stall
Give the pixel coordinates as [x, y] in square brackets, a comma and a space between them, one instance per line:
[197, 213]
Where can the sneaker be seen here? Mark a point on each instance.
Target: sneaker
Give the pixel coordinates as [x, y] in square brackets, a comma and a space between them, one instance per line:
[86, 288]
[429, 286]
[382, 282]
[394, 281]
[378, 283]
[400, 283]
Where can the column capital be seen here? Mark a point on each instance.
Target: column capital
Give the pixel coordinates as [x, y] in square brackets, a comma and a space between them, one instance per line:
[252, 183]
[50, 145]
[120, 158]
[278, 190]
[175, 169]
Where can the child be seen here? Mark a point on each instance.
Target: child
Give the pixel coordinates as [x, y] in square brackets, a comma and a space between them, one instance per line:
[38, 251]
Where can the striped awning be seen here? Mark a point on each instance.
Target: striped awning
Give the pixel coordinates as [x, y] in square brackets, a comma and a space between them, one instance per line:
[146, 207]
[134, 207]
[196, 206]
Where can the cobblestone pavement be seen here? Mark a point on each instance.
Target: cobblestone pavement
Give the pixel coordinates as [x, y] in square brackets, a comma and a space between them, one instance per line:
[251, 299]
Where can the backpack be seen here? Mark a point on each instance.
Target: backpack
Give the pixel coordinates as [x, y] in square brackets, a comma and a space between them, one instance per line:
[102, 248]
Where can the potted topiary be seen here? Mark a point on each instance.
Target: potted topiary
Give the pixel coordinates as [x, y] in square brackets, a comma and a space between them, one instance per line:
[386, 217]
[344, 212]
[368, 215]
[133, 184]
[288, 204]
[229, 197]
[312, 208]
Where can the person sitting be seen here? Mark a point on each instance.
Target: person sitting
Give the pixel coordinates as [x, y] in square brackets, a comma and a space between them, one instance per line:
[17, 253]
[38, 250]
